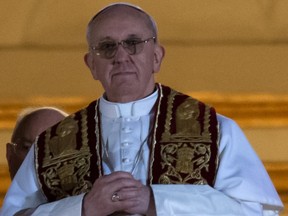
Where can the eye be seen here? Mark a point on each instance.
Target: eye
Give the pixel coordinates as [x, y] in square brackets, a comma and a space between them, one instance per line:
[132, 41]
[108, 45]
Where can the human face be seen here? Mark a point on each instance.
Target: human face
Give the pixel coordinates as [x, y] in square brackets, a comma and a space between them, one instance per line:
[15, 154]
[18, 149]
[25, 134]
[124, 77]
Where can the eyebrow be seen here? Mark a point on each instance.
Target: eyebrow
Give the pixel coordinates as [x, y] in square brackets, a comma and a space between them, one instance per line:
[129, 36]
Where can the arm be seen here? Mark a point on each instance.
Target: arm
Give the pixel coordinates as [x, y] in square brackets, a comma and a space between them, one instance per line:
[242, 185]
[25, 195]
[241, 174]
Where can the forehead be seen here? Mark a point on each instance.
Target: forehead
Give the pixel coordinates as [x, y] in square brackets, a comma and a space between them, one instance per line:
[26, 129]
[120, 20]
[33, 124]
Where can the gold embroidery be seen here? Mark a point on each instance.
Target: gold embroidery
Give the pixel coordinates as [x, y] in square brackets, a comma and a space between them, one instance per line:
[183, 162]
[153, 141]
[187, 114]
[186, 151]
[65, 140]
[98, 139]
[166, 134]
[66, 166]
[67, 176]
[186, 119]
[190, 159]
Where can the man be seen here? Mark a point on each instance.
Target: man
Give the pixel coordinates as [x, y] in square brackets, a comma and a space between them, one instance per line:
[142, 148]
[30, 123]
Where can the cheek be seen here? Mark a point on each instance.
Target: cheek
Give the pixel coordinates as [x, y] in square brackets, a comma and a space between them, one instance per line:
[103, 77]
[146, 63]
[100, 68]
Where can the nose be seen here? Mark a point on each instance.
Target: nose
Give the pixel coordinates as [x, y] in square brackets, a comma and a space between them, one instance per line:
[121, 54]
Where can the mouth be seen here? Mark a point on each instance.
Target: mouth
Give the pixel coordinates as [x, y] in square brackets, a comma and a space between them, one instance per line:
[123, 73]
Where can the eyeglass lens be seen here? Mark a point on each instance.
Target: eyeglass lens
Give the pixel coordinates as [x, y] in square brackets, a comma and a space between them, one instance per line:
[108, 49]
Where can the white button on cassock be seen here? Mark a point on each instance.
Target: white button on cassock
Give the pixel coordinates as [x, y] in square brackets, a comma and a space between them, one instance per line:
[127, 129]
[126, 160]
[125, 144]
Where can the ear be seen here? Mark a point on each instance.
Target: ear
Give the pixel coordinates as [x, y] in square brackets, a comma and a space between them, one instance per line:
[89, 61]
[159, 54]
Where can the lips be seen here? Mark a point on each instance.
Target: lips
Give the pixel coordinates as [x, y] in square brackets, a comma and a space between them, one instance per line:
[123, 70]
[123, 73]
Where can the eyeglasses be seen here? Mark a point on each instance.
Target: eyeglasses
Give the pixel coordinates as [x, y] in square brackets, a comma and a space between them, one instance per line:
[108, 49]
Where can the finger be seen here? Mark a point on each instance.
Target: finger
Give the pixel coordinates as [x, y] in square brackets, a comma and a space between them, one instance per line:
[122, 179]
[129, 193]
[127, 204]
[117, 175]
[122, 182]
[120, 185]
[143, 195]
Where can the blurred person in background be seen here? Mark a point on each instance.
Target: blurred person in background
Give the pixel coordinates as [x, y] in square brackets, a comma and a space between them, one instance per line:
[30, 123]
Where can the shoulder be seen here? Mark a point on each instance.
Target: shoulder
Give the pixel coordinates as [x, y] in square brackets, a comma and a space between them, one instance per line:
[227, 125]
[231, 134]
[72, 119]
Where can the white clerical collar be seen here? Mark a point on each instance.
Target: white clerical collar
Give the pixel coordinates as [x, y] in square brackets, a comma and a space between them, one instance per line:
[134, 108]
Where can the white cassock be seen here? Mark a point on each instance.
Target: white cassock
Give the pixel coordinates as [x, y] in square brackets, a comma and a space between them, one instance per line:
[242, 185]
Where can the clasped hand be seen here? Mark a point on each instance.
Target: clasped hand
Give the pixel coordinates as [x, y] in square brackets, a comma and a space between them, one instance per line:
[117, 192]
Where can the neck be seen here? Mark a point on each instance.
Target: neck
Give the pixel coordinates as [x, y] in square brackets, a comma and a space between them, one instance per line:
[134, 108]
[127, 98]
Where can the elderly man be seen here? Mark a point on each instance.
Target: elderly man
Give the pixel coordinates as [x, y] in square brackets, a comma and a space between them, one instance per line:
[30, 123]
[142, 148]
